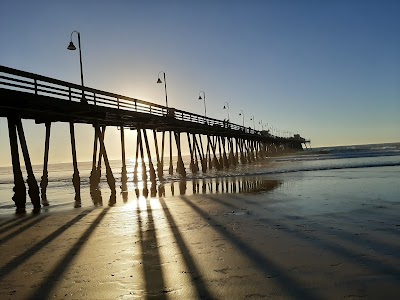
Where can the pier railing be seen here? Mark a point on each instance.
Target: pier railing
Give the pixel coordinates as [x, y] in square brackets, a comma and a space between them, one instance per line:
[45, 86]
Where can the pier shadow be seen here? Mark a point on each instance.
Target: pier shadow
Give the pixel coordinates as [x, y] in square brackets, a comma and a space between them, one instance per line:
[338, 248]
[341, 236]
[20, 259]
[290, 285]
[46, 287]
[15, 221]
[153, 273]
[21, 229]
[383, 248]
[191, 266]
[320, 241]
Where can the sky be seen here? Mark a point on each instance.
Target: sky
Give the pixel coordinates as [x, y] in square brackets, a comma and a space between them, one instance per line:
[328, 70]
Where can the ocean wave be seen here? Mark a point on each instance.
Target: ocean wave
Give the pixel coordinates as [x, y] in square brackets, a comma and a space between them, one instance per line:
[335, 167]
[271, 172]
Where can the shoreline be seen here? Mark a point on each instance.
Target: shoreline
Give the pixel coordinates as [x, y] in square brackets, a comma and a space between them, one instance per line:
[301, 239]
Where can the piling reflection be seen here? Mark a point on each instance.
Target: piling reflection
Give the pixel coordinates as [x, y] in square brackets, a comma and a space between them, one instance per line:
[209, 186]
[95, 194]
[124, 187]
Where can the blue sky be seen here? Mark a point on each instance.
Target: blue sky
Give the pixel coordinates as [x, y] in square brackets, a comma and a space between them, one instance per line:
[329, 70]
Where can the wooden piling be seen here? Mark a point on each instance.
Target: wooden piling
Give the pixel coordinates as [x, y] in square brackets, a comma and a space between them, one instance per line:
[124, 175]
[195, 153]
[33, 188]
[75, 177]
[109, 175]
[135, 170]
[180, 165]
[140, 144]
[19, 189]
[93, 174]
[232, 159]
[45, 176]
[98, 169]
[215, 161]
[162, 154]
[221, 160]
[159, 165]
[210, 165]
[225, 157]
[191, 164]
[171, 166]
[151, 166]
[198, 152]
[204, 158]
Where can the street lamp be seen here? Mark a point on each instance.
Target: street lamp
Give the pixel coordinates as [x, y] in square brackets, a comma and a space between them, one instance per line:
[252, 119]
[204, 98]
[242, 114]
[262, 125]
[165, 86]
[71, 46]
[226, 106]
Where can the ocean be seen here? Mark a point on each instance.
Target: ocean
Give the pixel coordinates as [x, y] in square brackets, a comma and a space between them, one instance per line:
[314, 181]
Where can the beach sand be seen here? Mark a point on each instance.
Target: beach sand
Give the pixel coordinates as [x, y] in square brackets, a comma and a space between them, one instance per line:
[202, 246]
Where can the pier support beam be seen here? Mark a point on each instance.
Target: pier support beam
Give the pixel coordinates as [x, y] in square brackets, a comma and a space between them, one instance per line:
[109, 174]
[93, 174]
[225, 157]
[124, 175]
[232, 159]
[180, 165]
[19, 189]
[204, 158]
[98, 170]
[213, 148]
[221, 160]
[33, 188]
[140, 145]
[198, 153]
[45, 177]
[209, 153]
[75, 177]
[151, 166]
[159, 165]
[171, 166]
[135, 169]
[191, 164]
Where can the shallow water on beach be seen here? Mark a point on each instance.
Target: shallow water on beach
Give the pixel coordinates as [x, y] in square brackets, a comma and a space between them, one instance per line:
[312, 182]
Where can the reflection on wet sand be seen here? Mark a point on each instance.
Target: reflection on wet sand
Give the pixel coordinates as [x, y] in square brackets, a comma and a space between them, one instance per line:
[227, 185]
[210, 186]
[97, 199]
[95, 194]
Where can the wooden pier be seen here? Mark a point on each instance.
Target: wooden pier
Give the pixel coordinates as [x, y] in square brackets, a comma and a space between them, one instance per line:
[212, 143]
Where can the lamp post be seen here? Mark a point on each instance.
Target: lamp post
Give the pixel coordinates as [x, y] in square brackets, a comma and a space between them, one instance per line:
[165, 86]
[226, 106]
[254, 125]
[71, 46]
[204, 98]
[242, 114]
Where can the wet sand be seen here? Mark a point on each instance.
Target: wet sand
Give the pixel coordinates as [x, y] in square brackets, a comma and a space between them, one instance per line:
[202, 246]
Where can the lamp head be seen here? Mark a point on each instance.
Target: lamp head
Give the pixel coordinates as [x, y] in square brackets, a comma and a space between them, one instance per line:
[224, 107]
[200, 97]
[159, 80]
[71, 46]
[240, 114]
